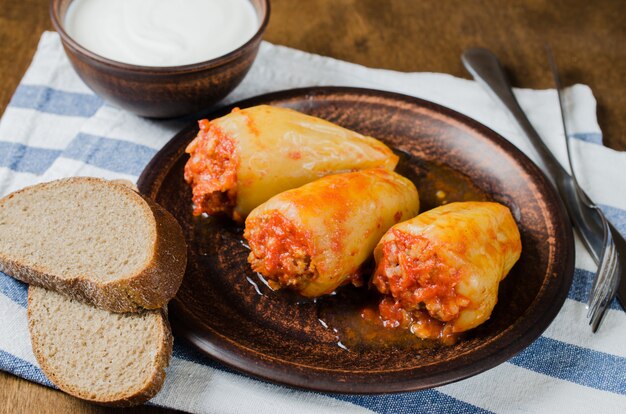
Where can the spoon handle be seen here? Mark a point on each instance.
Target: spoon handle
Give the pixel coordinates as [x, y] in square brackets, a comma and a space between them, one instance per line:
[486, 69]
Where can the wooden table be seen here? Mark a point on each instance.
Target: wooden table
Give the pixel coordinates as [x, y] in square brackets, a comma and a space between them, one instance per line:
[587, 38]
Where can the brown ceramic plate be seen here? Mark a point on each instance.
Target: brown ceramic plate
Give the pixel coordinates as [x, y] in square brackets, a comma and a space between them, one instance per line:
[225, 310]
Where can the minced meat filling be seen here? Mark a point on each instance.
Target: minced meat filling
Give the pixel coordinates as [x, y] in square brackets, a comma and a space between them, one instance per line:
[420, 288]
[212, 170]
[279, 250]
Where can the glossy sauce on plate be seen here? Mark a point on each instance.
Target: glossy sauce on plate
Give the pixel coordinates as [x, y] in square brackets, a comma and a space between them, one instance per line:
[222, 313]
[350, 314]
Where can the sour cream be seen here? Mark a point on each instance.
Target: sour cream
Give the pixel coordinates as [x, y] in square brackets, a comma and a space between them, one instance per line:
[161, 32]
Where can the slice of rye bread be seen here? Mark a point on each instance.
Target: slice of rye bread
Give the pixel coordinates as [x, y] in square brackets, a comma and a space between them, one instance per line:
[108, 358]
[93, 240]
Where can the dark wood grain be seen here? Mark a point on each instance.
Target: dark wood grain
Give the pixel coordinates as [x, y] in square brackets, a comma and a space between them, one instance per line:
[587, 37]
[20, 396]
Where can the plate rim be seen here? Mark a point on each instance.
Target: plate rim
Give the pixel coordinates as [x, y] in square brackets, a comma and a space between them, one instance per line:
[184, 322]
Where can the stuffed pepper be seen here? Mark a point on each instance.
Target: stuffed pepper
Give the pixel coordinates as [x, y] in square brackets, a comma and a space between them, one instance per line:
[317, 237]
[242, 159]
[440, 271]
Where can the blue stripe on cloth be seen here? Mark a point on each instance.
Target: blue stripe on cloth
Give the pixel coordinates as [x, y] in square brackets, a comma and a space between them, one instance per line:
[110, 154]
[17, 291]
[427, 401]
[24, 369]
[14, 289]
[574, 364]
[54, 101]
[21, 158]
[581, 286]
[547, 356]
[616, 216]
[592, 137]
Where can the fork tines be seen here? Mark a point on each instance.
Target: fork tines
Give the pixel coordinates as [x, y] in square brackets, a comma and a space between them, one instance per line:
[606, 280]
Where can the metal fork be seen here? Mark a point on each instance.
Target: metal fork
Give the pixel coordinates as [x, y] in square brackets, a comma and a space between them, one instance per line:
[606, 281]
[607, 276]
[589, 221]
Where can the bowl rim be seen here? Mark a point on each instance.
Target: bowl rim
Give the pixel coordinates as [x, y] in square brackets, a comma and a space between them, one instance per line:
[68, 41]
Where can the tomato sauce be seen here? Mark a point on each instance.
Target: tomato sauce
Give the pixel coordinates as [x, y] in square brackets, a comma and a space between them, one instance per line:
[420, 288]
[279, 250]
[212, 170]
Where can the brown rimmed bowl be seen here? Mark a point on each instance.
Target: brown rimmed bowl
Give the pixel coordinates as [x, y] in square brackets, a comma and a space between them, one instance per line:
[224, 309]
[161, 92]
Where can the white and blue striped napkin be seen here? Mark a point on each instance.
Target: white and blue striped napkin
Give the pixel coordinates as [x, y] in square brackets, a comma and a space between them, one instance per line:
[56, 127]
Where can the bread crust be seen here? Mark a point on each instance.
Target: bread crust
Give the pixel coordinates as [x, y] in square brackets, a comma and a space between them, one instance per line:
[148, 390]
[150, 288]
